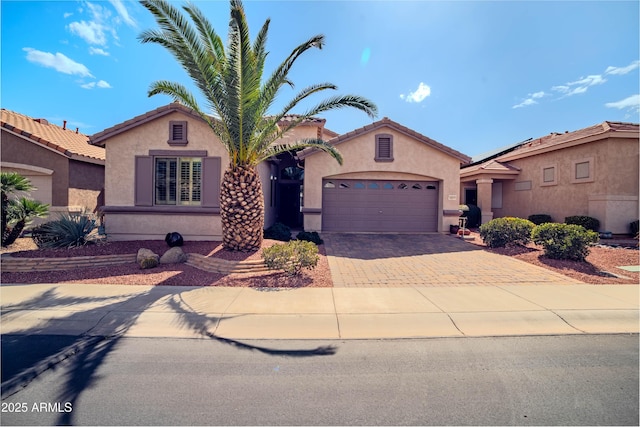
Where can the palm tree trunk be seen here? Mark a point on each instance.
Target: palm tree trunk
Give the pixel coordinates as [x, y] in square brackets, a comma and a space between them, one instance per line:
[14, 234]
[242, 209]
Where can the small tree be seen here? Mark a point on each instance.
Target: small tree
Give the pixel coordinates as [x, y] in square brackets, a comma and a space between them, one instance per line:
[17, 211]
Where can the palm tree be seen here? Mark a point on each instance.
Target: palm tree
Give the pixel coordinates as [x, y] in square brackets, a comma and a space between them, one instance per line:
[22, 212]
[232, 83]
[11, 183]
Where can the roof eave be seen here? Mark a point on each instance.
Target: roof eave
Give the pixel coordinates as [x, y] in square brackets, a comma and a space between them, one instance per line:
[100, 137]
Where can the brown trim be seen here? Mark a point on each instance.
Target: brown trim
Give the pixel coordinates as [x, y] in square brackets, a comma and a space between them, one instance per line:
[315, 211]
[178, 153]
[161, 210]
[386, 153]
[173, 126]
[143, 186]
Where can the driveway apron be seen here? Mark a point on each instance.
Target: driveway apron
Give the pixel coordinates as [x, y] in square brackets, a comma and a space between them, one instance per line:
[404, 260]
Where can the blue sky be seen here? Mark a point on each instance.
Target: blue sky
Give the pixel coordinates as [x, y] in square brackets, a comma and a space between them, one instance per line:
[472, 75]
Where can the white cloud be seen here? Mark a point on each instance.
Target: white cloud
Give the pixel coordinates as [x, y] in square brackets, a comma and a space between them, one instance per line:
[632, 103]
[622, 70]
[57, 61]
[579, 86]
[123, 12]
[97, 51]
[531, 99]
[100, 84]
[101, 23]
[419, 95]
[92, 32]
[67, 14]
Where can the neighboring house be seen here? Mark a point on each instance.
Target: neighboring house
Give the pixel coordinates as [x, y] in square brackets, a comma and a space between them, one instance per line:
[591, 171]
[164, 169]
[66, 170]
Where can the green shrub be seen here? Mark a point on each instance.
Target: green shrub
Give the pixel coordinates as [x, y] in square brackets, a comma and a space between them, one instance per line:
[635, 228]
[500, 232]
[538, 219]
[564, 241]
[310, 236]
[291, 257]
[473, 215]
[585, 221]
[66, 232]
[278, 231]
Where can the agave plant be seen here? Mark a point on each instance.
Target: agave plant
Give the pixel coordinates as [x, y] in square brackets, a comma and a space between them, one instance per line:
[239, 97]
[66, 232]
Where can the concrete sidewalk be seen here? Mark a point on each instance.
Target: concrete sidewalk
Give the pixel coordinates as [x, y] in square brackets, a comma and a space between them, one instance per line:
[318, 313]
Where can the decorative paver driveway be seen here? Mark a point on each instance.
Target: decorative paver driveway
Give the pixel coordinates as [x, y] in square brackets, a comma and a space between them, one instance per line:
[402, 260]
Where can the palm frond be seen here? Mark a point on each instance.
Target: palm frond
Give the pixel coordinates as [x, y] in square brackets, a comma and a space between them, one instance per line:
[301, 144]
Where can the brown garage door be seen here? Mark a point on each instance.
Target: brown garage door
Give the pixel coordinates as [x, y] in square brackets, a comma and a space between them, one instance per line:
[375, 205]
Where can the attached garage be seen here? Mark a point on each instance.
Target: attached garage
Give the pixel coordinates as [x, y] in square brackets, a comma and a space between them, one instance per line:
[391, 179]
[379, 205]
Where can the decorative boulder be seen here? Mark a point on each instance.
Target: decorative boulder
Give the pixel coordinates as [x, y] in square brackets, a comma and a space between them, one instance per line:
[173, 256]
[146, 258]
[174, 239]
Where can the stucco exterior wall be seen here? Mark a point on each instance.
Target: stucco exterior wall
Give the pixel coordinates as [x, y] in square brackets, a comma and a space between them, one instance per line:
[121, 150]
[17, 150]
[611, 196]
[86, 184]
[412, 160]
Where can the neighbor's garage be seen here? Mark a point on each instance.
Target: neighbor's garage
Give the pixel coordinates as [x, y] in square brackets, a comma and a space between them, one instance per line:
[379, 205]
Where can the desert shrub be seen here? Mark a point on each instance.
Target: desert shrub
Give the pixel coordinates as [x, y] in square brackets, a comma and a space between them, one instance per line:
[278, 231]
[635, 228]
[291, 257]
[564, 241]
[585, 221]
[500, 232]
[66, 232]
[538, 219]
[310, 236]
[473, 215]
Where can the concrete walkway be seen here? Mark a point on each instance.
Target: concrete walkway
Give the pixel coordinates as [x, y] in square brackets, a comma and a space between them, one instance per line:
[319, 313]
[403, 260]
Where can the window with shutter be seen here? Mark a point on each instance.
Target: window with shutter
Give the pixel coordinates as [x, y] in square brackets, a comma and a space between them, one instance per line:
[384, 148]
[177, 133]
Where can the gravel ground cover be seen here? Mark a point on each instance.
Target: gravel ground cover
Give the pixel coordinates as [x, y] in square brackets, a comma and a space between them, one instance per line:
[601, 266]
[174, 274]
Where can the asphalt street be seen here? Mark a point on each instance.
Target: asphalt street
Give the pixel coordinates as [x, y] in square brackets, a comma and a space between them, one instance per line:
[542, 380]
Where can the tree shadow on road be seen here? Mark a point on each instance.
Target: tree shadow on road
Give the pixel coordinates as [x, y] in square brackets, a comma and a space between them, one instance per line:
[26, 353]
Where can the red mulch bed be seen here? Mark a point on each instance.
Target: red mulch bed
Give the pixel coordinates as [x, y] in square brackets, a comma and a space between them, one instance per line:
[600, 267]
[174, 274]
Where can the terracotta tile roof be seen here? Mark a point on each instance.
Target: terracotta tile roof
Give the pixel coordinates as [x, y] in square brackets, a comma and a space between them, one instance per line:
[39, 131]
[587, 134]
[386, 122]
[100, 137]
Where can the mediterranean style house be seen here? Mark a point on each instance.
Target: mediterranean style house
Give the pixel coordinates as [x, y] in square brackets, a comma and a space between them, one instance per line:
[591, 171]
[164, 168]
[66, 170]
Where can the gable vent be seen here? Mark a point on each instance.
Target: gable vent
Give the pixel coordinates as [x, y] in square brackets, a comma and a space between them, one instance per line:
[384, 148]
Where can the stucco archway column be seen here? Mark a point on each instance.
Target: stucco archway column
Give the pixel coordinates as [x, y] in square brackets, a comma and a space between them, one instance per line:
[484, 198]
